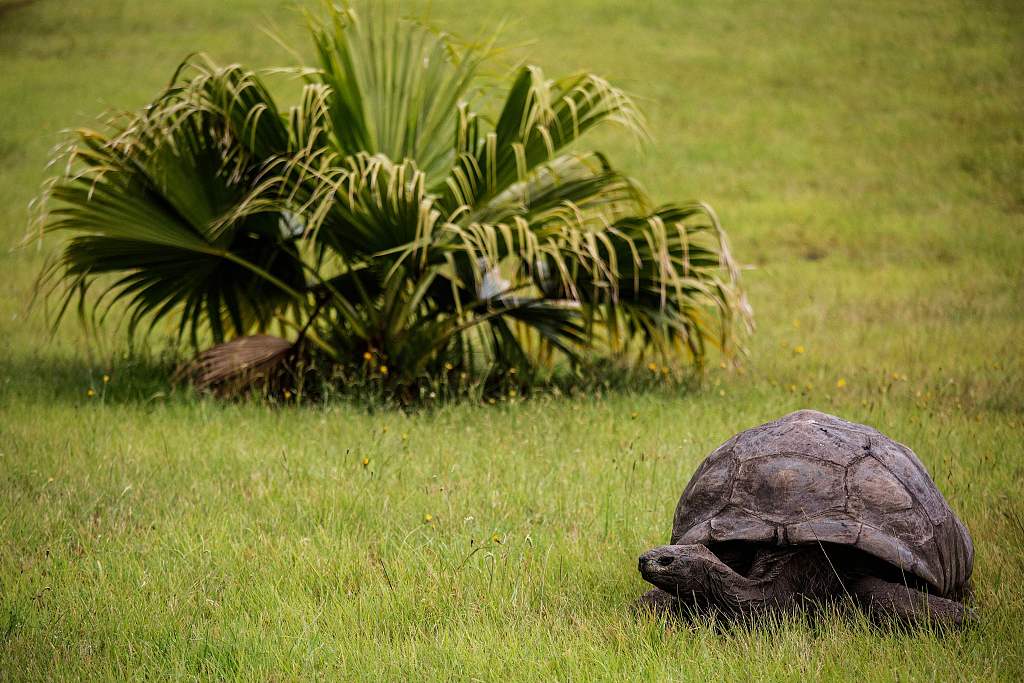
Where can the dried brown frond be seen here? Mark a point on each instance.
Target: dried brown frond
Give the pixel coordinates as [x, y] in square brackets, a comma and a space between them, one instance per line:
[238, 366]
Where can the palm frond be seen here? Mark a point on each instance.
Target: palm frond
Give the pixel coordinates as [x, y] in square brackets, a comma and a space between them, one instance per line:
[584, 185]
[394, 84]
[540, 117]
[147, 204]
[238, 364]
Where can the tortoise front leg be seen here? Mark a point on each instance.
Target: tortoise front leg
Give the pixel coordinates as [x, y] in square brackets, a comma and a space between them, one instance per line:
[907, 604]
[658, 602]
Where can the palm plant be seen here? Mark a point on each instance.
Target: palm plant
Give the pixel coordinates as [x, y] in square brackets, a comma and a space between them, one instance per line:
[385, 220]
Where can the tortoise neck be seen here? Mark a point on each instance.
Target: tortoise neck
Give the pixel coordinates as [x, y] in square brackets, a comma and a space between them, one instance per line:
[731, 589]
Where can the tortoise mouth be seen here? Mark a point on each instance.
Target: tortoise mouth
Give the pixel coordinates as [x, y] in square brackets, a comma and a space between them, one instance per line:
[687, 569]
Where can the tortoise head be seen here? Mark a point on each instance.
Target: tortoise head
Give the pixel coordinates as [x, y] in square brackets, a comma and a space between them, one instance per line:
[692, 572]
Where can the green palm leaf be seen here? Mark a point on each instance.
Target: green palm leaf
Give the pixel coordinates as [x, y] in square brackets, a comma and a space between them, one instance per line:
[394, 85]
[147, 204]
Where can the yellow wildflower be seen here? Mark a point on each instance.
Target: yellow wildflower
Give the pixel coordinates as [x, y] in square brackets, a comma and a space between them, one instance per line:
[798, 349]
[106, 379]
[496, 538]
[367, 356]
[90, 392]
[449, 367]
[366, 462]
[428, 518]
[384, 370]
[840, 383]
[653, 367]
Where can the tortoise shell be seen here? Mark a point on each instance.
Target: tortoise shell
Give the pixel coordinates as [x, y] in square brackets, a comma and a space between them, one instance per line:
[813, 478]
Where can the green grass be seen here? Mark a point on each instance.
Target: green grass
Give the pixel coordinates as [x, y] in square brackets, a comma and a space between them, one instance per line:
[869, 163]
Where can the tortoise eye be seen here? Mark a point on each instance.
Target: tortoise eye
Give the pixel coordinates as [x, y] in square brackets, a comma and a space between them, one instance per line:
[665, 560]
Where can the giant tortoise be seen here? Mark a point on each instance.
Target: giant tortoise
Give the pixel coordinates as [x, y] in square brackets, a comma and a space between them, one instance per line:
[807, 509]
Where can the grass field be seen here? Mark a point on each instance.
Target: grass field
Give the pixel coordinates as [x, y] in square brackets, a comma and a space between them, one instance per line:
[868, 161]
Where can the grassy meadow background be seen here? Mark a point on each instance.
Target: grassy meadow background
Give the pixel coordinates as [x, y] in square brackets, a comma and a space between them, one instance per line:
[868, 161]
